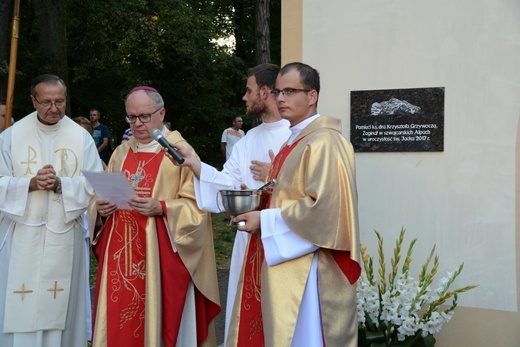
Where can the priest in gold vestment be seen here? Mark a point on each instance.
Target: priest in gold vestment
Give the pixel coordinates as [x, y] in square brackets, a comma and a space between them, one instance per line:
[44, 289]
[307, 233]
[156, 283]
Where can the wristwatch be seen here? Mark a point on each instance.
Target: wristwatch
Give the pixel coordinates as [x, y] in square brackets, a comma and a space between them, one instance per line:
[57, 190]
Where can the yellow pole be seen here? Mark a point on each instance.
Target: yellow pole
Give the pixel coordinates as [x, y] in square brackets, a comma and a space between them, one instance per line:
[12, 65]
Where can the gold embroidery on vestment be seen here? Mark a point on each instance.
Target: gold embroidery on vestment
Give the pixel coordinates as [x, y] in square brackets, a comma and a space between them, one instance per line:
[127, 220]
[30, 160]
[64, 162]
[127, 272]
[252, 283]
[55, 289]
[144, 192]
[23, 291]
[255, 326]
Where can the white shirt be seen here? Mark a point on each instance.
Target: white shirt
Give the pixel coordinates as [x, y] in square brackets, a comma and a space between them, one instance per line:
[254, 146]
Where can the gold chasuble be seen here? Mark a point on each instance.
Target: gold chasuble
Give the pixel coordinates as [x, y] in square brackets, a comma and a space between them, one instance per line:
[317, 195]
[247, 326]
[147, 263]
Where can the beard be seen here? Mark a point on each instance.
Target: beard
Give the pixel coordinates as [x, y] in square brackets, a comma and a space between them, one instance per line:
[255, 111]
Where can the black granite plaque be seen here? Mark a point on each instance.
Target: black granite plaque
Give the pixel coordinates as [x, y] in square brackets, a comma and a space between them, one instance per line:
[397, 120]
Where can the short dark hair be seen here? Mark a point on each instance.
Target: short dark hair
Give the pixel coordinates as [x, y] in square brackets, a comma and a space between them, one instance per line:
[309, 77]
[47, 79]
[265, 74]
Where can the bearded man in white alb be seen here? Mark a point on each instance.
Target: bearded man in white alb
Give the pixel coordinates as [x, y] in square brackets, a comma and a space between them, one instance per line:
[247, 167]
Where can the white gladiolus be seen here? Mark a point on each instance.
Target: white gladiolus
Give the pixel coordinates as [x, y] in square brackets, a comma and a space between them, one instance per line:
[401, 307]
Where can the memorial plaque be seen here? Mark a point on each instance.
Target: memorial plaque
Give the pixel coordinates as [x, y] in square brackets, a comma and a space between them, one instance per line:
[397, 120]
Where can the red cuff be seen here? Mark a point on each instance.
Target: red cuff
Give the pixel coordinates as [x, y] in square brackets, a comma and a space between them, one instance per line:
[163, 205]
[350, 268]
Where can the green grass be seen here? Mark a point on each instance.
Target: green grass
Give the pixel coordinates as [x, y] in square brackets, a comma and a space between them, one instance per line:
[223, 237]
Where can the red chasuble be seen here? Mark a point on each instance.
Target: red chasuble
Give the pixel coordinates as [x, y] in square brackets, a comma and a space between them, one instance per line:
[121, 252]
[251, 332]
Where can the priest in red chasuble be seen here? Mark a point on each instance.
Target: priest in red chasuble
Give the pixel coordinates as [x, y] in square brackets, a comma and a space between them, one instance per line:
[306, 240]
[156, 283]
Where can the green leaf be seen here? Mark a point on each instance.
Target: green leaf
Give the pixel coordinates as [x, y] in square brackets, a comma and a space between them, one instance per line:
[429, 340]
[375, 336]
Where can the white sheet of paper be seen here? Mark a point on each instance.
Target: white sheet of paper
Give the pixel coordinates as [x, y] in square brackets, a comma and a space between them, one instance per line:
[111, 186]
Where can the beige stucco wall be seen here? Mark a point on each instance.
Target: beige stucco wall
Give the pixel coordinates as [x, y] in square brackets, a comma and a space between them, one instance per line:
[465, 199]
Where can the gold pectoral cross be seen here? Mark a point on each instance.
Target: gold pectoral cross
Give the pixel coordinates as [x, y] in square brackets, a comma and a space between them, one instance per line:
[23, 291]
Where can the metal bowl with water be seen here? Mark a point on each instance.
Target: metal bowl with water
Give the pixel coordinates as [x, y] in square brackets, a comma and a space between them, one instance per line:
[240, 201]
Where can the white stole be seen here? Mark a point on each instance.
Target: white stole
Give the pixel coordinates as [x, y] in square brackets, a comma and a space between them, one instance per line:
[40, 267]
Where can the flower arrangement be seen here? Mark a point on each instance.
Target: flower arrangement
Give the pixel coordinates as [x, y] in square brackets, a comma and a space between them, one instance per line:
[398, 310]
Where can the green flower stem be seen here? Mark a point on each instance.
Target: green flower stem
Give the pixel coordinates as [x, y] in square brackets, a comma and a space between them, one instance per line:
[382, 331]
[382, 267]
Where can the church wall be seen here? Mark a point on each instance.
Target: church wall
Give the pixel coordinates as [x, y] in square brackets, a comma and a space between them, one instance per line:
[464, 199]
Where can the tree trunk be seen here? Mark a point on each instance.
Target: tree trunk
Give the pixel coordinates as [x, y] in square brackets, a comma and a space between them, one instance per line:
[51, 18]
[262, 19]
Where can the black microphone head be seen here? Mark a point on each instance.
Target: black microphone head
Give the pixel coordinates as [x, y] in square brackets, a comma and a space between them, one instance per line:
[156, 134]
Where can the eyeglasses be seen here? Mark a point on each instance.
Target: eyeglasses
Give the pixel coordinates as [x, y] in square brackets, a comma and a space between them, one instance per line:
[144, 118]
[47, 103]
[288, 91]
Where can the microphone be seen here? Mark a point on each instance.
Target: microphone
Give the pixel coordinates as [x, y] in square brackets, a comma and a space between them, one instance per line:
[158, 136]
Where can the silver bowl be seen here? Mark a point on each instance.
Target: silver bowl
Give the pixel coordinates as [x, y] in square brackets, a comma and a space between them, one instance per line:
[238, 201]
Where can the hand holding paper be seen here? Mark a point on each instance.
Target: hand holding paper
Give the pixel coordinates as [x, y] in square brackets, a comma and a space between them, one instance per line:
[113, 187]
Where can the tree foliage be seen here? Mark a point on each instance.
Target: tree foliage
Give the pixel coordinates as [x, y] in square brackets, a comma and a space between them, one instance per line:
[111, 46]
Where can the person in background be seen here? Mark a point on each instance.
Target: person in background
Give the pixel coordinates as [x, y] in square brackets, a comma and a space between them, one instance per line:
[87, 125]
[157, 281]
[127, 135]
[43, 251]
[306, 237]
[101, 134]
[2, 115]
[230, 136]
[246, 168]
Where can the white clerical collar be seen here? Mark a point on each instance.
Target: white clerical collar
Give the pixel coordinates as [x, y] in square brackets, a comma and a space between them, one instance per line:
[48, 128]
[297, 129]
[152, 145]
[147, 147]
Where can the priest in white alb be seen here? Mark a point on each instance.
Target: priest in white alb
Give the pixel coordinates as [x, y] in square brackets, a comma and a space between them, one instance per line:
[43, 251]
